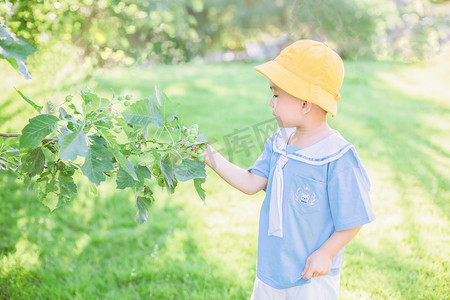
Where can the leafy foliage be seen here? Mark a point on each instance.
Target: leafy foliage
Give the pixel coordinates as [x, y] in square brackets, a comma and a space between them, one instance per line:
[143, 113]
[98, 161]
[38, 108]
[111, 32]
[86, 141]
[15, 51]
[337, 21]
[38, 128]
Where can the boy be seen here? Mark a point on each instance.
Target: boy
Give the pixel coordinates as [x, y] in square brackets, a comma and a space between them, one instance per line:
[317, 190]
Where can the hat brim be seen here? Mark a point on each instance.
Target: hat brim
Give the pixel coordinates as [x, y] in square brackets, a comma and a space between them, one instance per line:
[297, 86]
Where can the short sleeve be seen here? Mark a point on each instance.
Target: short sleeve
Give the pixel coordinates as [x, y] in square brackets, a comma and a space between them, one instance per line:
[261, 166]
[348, 193]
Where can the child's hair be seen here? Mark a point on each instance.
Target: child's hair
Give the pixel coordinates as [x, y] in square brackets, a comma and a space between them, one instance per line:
[308, 70]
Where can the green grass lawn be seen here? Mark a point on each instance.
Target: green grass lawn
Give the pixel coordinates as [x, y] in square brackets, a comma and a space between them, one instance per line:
[397, 115]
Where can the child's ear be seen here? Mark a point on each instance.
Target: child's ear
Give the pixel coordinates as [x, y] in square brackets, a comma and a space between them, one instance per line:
[305, 107]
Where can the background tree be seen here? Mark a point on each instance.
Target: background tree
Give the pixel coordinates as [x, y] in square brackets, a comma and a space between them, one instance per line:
[108, 32]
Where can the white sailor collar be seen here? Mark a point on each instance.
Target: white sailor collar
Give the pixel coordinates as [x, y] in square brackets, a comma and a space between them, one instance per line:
[320, 153]
[327, 150]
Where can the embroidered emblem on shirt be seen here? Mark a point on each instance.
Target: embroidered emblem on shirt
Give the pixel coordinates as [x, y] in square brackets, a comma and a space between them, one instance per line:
[305, 196]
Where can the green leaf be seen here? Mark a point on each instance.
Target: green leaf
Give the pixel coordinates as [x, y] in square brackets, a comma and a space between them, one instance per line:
[173, 121]
[170, 118]
[112, 146]
[156, 155]
[164, 101]
[38, 108]
[143, 113]
[91, 101]
[189, 169]
[144, 200]
[50, 152]
[12, 61]
[33, 162]
[167, 168]
[142, 173]
[15, 51]
[72, 144]
[98, 160]
[124, 180]
[47, 186]
[171, 189]
[67, 186]
[37, 129]
[51, 201]
[130, 130]
[75, 110]
[201, 139]
[93, 188]
[198, 187]
[9, 146]
[158, 94]
[106, 124]
[56, 184]
[72, 126]
[64, 116]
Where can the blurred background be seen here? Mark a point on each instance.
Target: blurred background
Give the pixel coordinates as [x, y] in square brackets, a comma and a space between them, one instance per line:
[395, 109]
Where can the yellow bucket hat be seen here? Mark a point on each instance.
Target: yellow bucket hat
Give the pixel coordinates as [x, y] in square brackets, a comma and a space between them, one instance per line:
[308, 70]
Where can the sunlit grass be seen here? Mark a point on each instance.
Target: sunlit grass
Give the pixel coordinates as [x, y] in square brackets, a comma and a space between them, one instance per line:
[93, 248]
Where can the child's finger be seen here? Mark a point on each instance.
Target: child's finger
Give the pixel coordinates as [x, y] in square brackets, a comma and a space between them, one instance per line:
[308, 261]
[208, 152]
[308, 274]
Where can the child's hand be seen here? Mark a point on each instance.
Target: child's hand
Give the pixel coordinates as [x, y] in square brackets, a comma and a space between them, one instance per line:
[317, 264]
[209, 153]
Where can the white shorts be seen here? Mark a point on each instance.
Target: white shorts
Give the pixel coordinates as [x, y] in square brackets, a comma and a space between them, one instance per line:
[320, 288]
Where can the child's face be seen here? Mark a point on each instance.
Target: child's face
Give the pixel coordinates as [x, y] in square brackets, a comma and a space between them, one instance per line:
[286, 108]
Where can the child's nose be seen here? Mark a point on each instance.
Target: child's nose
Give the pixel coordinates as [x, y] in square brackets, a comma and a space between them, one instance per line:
[271, 102]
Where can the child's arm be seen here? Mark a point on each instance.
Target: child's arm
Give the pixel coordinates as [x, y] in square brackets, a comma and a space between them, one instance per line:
[239, 178]
[319, 262]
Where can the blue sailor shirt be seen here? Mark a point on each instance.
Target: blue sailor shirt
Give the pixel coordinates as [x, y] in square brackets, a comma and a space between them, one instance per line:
[311, 192]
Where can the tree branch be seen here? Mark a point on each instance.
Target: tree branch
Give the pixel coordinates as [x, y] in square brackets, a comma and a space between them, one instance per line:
[8, 161]
[19, 134]
[9, 134]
